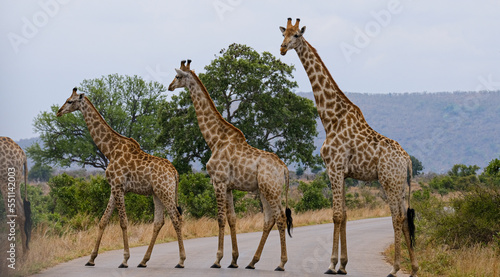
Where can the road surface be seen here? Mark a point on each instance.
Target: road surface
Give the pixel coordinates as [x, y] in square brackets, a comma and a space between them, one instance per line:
[308, 255]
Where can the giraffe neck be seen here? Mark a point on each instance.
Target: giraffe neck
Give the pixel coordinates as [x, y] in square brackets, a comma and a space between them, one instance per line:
[331, 102]
[212, 125]
[103, 135]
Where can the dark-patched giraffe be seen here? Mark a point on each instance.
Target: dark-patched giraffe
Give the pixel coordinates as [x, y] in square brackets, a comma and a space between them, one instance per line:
[130, 170]
[17, 210]
[235, 164]
[353, 149]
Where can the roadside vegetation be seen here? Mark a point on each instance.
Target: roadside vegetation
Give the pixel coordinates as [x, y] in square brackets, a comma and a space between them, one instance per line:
[458, 223]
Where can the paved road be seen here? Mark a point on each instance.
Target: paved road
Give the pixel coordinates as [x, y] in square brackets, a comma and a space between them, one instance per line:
[308, 255]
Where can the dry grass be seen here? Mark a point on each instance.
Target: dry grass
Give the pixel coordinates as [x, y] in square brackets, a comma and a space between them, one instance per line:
[73, 244]
[474, 261]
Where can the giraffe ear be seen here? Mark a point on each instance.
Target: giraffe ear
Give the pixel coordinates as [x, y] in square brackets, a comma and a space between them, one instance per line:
[181, 73]
[283, 29]
[81, 95]
[303, 30]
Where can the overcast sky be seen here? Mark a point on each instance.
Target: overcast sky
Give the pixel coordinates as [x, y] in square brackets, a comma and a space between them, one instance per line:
[47, 47]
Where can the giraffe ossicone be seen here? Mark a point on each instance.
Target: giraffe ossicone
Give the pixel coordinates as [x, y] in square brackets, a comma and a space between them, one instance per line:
[130, 170]
[353, 149]
[235, 164]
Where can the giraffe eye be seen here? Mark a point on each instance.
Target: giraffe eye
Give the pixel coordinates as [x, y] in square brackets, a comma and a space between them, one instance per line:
[295, 36]
[70, 102]
[178, 77]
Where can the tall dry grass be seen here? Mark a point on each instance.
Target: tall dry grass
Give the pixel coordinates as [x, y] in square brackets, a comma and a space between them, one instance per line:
[479, 260]
[48, 249]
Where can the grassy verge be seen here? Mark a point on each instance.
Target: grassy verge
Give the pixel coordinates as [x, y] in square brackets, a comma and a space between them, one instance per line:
[48, 250]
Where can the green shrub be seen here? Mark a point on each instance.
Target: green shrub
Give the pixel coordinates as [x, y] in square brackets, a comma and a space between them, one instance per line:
[313, 196]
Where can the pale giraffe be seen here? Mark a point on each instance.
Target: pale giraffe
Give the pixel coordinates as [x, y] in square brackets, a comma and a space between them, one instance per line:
[17, 209]
[353, 149]
[236, 165]
[130, 170]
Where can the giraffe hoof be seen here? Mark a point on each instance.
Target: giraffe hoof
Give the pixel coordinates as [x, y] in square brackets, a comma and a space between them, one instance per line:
[390, 275]
[90, 264]
[179, 266]
[123, 266]
[215, 266]
[250, 267]
[233, 266]
[332, 272]
[142, 265]
[341, 272]
[279, 268]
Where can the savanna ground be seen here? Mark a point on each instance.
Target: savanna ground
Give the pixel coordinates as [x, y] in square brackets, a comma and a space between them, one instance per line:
[451, 239]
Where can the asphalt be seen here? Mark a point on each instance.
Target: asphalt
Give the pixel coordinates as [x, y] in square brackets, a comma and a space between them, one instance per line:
[308, 255]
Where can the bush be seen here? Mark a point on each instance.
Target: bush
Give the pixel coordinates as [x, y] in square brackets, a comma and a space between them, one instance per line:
[313, 197]
[197, 197]
[464, 221]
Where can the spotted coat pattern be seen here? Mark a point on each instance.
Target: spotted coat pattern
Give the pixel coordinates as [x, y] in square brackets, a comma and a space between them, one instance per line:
[352, 149]
[12, 162]
[130, 170]
[235, 164]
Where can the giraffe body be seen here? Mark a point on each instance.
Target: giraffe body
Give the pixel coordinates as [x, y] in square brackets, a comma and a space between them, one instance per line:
[130, 170]
[353, 149]
[12, 162]
[236, 165]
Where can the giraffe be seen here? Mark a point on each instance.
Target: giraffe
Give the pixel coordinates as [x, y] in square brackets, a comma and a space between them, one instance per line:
[17, 210]
[235, 164]
[353, 149]
[130, 170]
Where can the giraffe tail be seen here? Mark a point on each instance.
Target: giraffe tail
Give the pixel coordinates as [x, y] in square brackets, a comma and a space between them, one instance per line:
[179, 209]
[410, 213]
[288, 212]
[27, 207]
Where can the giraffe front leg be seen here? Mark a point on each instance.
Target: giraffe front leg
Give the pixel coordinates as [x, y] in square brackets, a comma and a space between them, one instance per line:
[120, 205]
[343, 245]
[339, 218]
[231, 220]
[159, 221]
[102, 226]
[220, 195]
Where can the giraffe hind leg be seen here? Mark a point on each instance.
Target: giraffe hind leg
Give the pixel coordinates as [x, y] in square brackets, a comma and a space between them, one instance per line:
[159, 221]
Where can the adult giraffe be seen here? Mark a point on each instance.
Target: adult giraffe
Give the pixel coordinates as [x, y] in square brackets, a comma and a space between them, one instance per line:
[130, 170]
[353, 149]
[235, 164]
[17, 210]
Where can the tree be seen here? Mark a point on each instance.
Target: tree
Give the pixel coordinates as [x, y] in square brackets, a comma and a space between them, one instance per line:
[461, 170]
[493, 168]
[416, 166]
[128, 104]
[253, 92]
[40, 172]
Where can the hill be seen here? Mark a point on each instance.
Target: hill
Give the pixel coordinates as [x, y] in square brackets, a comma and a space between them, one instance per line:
[439, 129]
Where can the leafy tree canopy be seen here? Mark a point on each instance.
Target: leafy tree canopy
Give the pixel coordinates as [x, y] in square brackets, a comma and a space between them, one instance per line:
[128, 104]
[253, 92]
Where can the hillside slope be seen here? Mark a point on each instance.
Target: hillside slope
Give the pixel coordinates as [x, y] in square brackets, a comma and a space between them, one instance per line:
[439, 129]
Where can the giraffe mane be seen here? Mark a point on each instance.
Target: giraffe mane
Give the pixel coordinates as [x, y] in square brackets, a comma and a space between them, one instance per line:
[212, 106]
[101, 119]
[344, 97]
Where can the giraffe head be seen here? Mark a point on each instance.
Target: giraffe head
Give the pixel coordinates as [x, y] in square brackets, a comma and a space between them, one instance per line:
[292, 35]
[183, 74]
[72, 103]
